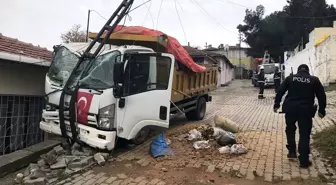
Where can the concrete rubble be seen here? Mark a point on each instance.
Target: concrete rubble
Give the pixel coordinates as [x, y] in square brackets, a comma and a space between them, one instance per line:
[59, 163]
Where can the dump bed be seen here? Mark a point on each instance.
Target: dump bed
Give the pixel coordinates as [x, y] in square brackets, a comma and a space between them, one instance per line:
[186, 83]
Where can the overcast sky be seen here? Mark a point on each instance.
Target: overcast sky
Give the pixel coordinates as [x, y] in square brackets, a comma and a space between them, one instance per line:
[41, 22]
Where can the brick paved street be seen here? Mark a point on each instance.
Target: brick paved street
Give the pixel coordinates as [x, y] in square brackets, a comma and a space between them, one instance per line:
[262, 132]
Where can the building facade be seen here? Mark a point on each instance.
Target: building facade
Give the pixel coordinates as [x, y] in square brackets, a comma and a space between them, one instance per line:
[319, 54]
[22, 73]
[237, 55]
[226, 68]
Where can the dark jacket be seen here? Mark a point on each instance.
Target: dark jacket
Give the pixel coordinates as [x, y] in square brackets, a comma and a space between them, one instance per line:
[302, 89]
[277, 75]
[261, 76]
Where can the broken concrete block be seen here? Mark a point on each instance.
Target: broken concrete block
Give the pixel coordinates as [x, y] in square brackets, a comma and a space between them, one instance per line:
[36, 173]
[59, 150]
[19, 178]
[226, 124]
[99, 159]
[31, 167]
[54, 173]
[38, 181]
[83, 162]
[59, 164]
[50, 158]
[41, 163]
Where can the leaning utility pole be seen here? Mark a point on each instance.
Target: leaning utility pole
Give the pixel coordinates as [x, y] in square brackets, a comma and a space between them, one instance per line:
[239, 50]
[87, 26]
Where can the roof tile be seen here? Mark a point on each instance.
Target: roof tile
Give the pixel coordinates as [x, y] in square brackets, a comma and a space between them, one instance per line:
[14, 46]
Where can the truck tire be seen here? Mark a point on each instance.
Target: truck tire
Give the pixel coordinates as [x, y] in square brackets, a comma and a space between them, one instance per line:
[199, 112]
[141, 137]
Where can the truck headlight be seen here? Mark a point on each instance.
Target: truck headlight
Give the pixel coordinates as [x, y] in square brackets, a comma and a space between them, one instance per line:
[106, 117]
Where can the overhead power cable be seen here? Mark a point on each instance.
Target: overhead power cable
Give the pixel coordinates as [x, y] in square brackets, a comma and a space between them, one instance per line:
[207, 14]
[178, 15]
[158, 17]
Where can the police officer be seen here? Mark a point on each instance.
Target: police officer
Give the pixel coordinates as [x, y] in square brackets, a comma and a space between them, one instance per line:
[261, 82]
[277, 78]
[299, 107]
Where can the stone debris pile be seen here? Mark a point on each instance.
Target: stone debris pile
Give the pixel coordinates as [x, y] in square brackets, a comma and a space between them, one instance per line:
[59, 163]
[221, 133]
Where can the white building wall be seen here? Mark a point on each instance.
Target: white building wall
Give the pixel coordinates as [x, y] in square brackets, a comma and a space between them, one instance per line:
[225, 76]
[321, 59]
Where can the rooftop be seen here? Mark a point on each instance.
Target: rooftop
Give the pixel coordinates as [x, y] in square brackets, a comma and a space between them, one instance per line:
[193, 52]
[14, 46]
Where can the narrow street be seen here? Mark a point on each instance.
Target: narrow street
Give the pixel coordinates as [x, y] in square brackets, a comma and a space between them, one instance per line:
[262, 132]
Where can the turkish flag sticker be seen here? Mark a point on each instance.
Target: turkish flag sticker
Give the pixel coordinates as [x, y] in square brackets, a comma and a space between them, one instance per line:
[83, 106]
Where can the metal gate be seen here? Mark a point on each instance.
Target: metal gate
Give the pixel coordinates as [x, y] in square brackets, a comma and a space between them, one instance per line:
[19, 122]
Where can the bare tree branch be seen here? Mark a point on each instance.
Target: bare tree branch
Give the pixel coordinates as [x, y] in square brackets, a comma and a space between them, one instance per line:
[75, 34]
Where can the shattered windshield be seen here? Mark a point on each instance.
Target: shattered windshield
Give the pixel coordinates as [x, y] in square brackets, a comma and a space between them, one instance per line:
[269, 69]
[100, 73]
[62, 65]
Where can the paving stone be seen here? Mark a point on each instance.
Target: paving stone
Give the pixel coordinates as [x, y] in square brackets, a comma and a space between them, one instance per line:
[154, 181]
[101, 180]
[268, 177]
[122, 176]
[139, 179]
[81, 182]
[111, 179]
[88, 177]
[286, 177]
[250, 175]
[87, 173]
[143, 182]
[117, 182]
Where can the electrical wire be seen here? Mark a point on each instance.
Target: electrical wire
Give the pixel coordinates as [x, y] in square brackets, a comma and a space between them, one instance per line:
[98, 14]
[139, 6]
[157, 20]
[178, 2]
[207, 14]
[231, 2]
[148, 12]
[178, 15]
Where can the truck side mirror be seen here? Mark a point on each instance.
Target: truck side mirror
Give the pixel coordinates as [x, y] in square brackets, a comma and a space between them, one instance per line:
[283, 67]
[118, 73]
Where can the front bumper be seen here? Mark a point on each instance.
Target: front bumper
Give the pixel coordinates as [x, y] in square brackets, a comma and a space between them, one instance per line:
[89, 135]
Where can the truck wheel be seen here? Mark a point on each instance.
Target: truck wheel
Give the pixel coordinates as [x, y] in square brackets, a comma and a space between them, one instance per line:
[141, 137]
[199, 112]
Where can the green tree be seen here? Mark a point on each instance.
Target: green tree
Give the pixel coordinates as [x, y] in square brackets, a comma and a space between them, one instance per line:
[284, 30]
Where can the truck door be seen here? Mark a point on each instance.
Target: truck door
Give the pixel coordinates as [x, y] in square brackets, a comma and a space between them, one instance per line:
[146, 96]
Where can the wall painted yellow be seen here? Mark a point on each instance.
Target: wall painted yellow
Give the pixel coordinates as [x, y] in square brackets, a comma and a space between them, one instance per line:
[246, 61]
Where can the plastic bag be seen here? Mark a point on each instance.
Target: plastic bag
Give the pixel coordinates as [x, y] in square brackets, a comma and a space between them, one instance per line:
[226, 124]
[238, 149]
[223, 137]
[224, 150]
[194, 135]
[159, 147]
[201, 144]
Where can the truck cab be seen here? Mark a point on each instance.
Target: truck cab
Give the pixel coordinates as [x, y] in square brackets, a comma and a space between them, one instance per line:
[101, 117]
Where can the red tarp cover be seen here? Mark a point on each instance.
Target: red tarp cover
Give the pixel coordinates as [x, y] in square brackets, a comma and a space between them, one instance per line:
[174, 47]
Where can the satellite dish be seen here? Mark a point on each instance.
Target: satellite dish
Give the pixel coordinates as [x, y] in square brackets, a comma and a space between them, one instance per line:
[226, 47]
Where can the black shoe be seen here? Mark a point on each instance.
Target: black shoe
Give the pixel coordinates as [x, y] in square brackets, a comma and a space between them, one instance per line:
[291, 155]
[305, 164]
